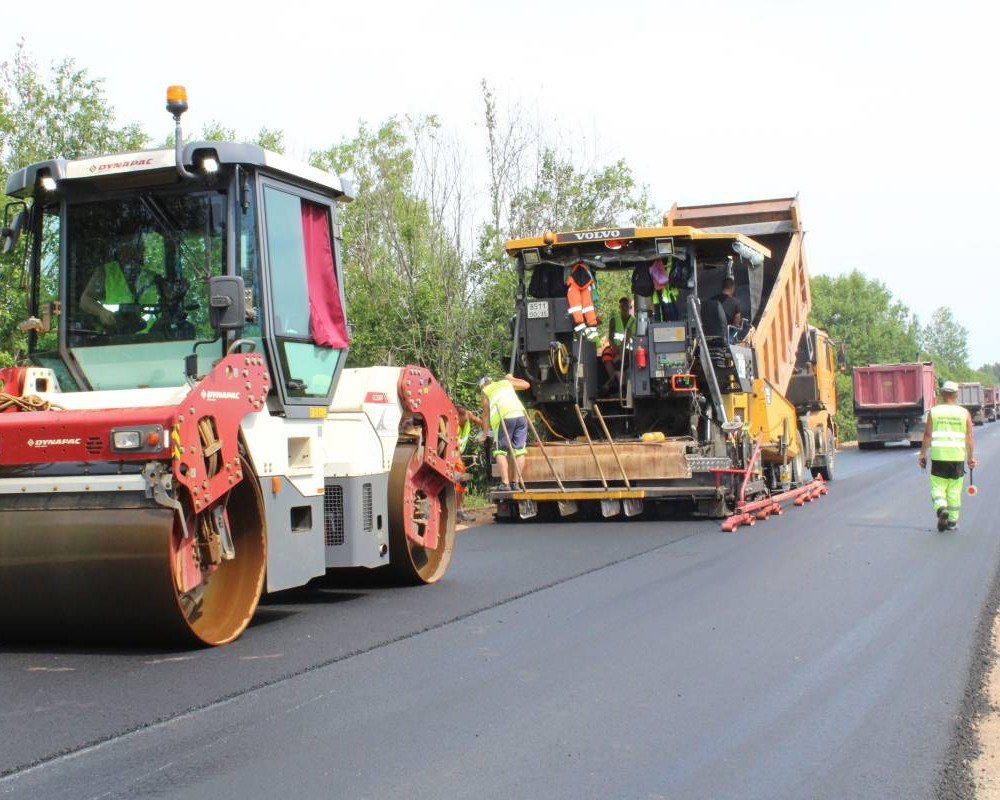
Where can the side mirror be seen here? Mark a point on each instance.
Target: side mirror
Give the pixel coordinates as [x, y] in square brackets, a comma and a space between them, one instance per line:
[227, 305]
[9, 234]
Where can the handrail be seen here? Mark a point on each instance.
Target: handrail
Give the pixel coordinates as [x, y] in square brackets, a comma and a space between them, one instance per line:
[590, 443]
[614, 450]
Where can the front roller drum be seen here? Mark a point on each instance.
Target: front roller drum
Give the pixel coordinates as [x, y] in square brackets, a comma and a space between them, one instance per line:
[84, 570]
[412, 508]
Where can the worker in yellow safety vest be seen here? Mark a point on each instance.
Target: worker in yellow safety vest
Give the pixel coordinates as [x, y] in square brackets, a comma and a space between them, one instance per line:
[948, 435]
[664, 296]
[465, 419]
[621, 332]
[120, 282]
[500, 402]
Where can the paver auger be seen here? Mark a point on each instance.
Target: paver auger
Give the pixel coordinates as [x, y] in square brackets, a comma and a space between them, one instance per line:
[182, 433]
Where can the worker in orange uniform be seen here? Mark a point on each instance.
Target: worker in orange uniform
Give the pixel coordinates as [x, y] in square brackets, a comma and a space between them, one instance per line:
[581, 294]
[621, 331]
[949, 436]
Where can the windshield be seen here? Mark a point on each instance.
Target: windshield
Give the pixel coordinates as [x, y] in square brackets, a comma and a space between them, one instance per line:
[137, 285]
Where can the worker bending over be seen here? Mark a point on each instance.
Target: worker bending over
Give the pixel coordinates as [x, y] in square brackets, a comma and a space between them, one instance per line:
[500, 402]
[949, 436]
[621, 331]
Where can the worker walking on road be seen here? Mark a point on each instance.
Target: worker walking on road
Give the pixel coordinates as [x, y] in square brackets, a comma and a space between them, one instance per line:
[500, 402]
[949, 436]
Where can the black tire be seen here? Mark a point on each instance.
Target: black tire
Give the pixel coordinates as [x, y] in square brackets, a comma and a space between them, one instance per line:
[826, 472]
[871, 445]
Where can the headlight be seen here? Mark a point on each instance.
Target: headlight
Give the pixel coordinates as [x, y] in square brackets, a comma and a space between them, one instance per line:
[126, 440]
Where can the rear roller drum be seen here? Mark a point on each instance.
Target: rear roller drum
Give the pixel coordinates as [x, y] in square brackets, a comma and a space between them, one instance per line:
[414, 508]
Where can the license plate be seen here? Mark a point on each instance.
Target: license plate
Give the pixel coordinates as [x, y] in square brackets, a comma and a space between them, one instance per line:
[538, 309]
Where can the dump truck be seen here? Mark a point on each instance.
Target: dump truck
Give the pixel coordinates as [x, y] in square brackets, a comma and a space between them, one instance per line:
[990, 399]
[183, 433]
[705, 412]
[891, 402]
[973, 397]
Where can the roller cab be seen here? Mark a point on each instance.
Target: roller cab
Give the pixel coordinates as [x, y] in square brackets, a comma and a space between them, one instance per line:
[175, 444]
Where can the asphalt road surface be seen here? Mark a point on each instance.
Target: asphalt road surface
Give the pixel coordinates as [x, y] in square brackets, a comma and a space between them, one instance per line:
[822, 654]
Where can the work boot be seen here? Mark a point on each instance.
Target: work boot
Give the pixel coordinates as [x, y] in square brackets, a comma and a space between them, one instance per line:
[502, 487]
[942, 515]
[952, 525]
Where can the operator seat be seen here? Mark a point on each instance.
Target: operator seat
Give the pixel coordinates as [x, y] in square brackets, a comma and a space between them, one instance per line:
[716, 326]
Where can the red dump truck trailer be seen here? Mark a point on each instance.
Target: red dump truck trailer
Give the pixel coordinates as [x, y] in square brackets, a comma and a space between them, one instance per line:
[891, 402]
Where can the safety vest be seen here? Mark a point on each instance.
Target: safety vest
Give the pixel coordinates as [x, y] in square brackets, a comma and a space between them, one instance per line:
[463, 436]
[668, 294]
[948, 427]
[504, 402]
[117, 292]
[621, 328]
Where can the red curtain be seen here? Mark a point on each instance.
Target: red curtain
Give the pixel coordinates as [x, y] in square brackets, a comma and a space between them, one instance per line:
[327, 325]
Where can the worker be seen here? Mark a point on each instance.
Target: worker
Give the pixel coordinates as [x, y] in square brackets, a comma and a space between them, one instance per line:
[664, 295]
[121, 282]
[949, 436]
[730, 305]
[461, 479]
[500, 402]
[581, 294]
[621, 332]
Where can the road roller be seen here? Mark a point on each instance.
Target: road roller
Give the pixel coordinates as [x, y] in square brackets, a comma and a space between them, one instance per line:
[181, 433]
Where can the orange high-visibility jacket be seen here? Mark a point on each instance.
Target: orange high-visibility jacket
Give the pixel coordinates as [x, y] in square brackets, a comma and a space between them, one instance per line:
[579, 295]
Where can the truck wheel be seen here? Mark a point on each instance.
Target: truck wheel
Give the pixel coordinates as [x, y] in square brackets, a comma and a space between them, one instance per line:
[826, 472]
[871, 445]
[798, 466]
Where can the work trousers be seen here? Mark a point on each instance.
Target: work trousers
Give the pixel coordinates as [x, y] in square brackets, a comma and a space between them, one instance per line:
[947, 493]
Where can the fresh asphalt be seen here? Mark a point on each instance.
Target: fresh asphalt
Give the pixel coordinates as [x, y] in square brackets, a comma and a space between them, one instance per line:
[822, 654]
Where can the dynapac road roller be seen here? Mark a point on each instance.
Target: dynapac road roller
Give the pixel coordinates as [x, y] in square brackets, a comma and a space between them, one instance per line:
[183, 433]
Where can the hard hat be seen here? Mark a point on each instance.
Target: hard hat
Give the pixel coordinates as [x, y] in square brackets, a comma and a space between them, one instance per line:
[949, 387]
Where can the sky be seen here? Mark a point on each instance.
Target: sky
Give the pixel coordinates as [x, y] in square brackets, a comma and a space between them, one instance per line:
[882, 116]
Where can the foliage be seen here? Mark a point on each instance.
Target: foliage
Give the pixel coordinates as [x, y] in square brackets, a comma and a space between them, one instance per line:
[408, 284]
[63, 114]
[946, 343]
[874, 327]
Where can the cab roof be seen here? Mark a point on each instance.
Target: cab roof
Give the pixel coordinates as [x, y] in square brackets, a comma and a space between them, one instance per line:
[23, 183]
[554, 240]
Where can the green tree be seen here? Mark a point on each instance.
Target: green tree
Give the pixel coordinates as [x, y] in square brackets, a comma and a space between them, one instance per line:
[65, 114]
[874, 327]
[408, 286]
[946, 342]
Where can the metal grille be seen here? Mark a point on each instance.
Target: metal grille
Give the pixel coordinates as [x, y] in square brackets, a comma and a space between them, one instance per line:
[333, 515]
[366, 507]
[696, 464]
[94, 445]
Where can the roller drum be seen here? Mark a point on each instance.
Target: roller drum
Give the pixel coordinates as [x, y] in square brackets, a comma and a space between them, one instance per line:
[93, 568]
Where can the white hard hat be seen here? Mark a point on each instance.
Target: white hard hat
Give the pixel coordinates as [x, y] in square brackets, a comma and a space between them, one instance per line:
[949, 387]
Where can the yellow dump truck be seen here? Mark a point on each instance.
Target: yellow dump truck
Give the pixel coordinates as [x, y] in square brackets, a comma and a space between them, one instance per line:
[719, 394]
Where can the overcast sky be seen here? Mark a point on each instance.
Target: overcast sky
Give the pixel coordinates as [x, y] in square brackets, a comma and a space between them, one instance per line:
[881, 115]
